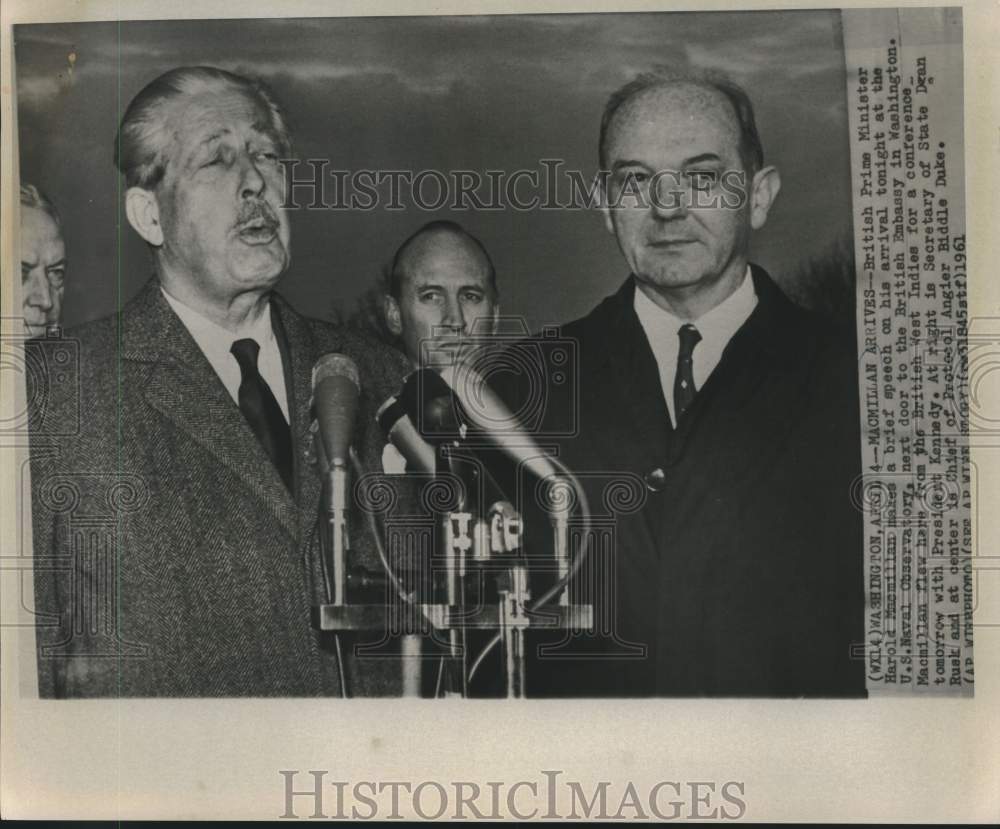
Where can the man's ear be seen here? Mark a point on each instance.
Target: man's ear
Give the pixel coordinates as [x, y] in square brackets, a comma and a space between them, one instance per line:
[765, 189]
[143, 212]
[392, 316]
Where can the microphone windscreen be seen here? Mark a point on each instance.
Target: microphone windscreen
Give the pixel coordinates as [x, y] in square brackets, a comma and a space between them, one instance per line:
[484, 408]
[335, 365]
[336, 385]
[431, 406]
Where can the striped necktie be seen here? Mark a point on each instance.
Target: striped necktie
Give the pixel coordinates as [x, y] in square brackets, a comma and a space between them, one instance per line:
[684, 389]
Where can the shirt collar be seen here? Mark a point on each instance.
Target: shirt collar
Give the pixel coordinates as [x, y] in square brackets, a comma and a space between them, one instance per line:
[716, 325]
[211, 336]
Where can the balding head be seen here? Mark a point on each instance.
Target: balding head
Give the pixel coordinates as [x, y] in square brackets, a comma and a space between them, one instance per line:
[438, 243]
[685, 189]
[710, 88]
[441, 289]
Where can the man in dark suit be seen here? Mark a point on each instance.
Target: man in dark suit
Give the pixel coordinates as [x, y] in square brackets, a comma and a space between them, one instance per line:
[441, 299]
[735, 569]
[175, 530]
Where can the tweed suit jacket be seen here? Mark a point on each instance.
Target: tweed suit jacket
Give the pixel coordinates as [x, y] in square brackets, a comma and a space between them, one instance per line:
[170, 558]
[734, 566]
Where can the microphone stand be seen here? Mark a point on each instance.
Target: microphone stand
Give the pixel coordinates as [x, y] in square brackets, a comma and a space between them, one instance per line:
[334, 540]
[468, 535]
[336, 486]
[459, 531]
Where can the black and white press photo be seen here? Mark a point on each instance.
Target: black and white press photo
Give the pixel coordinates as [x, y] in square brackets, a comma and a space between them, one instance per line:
[606, 361]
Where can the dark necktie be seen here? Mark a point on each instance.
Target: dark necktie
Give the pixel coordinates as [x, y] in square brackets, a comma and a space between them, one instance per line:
[684, 390]
[262, 411]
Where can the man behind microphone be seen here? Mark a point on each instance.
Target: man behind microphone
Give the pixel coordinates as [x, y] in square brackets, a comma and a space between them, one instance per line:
[194, 438]
[441, 299]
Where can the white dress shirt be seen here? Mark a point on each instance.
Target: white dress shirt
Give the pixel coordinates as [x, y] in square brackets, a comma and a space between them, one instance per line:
[215, 343]
[716, 327]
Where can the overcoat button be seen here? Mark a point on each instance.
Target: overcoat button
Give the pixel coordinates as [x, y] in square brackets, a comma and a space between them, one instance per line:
[655, 479]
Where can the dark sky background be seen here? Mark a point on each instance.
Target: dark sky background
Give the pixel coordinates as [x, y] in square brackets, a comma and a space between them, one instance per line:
[442, 93]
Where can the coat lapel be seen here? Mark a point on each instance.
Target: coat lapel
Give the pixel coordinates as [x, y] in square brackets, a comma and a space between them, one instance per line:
[183, 387]
[752, 398]
[299, 354]
[628, 424]
[621, 386]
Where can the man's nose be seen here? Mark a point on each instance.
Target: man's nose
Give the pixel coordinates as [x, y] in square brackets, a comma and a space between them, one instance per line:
[38, 292]
[454, 315]
[668, 200]
[253, 182]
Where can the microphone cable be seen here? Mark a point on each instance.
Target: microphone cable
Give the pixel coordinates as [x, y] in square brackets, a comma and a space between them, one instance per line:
[328, 589]
[584, 510]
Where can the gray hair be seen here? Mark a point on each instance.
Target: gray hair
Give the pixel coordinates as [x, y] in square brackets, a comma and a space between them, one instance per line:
[750, 149]
[140, 142]
[31, 196]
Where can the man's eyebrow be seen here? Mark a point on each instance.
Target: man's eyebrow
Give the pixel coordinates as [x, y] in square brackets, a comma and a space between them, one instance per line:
[265, 130]
[618, 165]
[60, 264]
[214, 136]
[701, 159]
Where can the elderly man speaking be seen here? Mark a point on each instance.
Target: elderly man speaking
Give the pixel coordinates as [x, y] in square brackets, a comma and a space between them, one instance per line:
[175, 532]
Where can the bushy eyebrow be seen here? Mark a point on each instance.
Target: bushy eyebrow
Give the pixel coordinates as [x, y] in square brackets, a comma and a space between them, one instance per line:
[265, 130]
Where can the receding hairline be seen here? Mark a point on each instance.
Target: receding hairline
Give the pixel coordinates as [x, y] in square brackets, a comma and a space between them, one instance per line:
[712, 84]
[145, 128]
[421, 243]
[192, 116]
[33, 198]
[699, 92]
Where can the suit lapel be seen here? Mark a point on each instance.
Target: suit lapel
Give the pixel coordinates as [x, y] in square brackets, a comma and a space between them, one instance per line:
[299, 354]
[620, 392]
[621, 382]
[752, 398]
[183, 387]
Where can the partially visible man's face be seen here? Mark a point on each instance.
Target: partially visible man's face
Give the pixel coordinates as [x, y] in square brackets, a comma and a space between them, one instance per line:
[220, 197]
[446, 296]
[43, 270]
[680, 129]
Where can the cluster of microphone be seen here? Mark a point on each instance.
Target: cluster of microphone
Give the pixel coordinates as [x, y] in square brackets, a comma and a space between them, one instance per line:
[436, 418]
[431, 406]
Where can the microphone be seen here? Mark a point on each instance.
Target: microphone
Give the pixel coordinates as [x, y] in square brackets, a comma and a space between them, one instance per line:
[490, 415]
[399, 430]
[336, 389]
[431, 406]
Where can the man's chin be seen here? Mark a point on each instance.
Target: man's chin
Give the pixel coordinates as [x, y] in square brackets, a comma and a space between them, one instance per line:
[262, 265]
[670, 278]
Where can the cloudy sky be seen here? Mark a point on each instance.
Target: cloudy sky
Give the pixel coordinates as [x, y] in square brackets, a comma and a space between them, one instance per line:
[445, 93]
